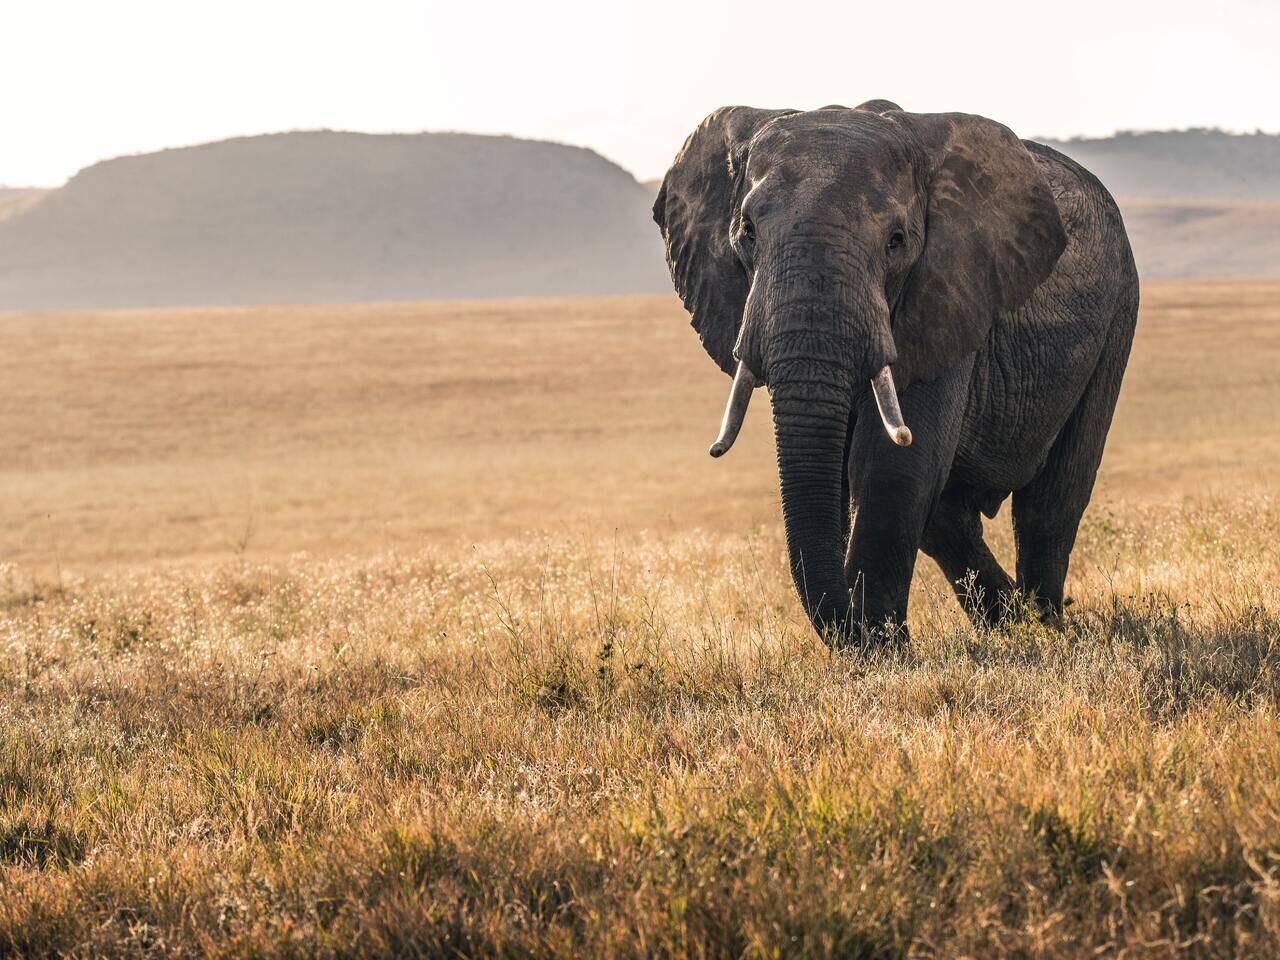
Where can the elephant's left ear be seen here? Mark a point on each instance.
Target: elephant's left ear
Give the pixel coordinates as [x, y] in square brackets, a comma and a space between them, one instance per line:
[992, 235]
[694, 211]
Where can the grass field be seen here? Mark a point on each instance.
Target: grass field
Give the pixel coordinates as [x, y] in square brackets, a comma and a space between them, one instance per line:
[432, 629]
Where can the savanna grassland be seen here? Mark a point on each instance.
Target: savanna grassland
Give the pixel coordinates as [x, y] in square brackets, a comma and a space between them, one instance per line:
[430, 629]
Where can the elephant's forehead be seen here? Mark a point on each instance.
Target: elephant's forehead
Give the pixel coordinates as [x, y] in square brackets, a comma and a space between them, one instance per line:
[827, 146]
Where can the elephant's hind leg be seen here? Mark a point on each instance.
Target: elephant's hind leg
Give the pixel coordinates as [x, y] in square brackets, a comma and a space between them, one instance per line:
[1047, 512]
[954, 540]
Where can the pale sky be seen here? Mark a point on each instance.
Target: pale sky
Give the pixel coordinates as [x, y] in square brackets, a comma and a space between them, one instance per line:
[82, 81]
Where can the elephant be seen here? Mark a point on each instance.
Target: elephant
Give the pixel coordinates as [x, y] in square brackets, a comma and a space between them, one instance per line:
[942, 315]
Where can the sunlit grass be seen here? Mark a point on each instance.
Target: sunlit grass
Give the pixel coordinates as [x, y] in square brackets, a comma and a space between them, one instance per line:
[636, 747]
[443, 732]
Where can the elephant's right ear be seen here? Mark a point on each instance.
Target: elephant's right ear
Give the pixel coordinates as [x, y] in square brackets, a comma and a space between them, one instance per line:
[693, 212]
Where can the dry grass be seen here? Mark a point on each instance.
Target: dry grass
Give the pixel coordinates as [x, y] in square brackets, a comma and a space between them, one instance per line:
[616, 737]
[132, 437]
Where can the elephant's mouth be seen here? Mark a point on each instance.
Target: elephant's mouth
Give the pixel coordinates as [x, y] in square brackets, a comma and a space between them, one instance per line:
[744, 382]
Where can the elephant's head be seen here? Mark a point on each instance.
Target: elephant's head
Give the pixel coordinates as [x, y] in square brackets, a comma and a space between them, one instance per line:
[831, 252]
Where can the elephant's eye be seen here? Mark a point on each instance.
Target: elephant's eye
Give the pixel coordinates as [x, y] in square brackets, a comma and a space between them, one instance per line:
[896, 240]
[748, 229]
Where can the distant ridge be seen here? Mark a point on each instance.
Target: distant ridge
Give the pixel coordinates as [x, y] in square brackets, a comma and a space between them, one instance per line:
[1182, 164]
[14, 200]
[336, 217]
[1197, 203]
[1209, 239]
[328, 216]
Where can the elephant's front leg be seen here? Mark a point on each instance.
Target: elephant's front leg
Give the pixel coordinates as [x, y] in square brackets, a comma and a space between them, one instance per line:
[895, 489]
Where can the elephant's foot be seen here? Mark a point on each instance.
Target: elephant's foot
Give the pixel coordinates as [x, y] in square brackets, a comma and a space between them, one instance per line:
[879, 626]
[1016, 606]
[988, 601]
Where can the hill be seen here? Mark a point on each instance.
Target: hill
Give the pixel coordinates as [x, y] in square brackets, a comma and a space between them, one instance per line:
[327, 216]
[340, 217]
[15, 200]
[1182, 164]
[1197, 203]
[1188, 239]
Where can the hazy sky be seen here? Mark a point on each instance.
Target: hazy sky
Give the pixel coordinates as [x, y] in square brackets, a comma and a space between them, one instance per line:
[83, 81]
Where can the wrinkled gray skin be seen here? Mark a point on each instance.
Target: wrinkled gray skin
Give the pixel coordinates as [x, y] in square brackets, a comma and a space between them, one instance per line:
[993, 275]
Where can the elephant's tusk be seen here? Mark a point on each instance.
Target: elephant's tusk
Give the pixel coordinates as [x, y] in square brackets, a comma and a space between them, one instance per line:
[735, 411]
[890, 412]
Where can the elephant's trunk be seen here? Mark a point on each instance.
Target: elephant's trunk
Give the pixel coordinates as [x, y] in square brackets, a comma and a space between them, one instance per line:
[811, 409]
[744, 381]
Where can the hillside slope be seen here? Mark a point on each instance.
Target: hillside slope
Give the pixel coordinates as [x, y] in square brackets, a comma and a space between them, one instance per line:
[337, 217]
[1197, 203]
[15, 200]
[327, 216]
[1182, 164]
[1188, 239]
